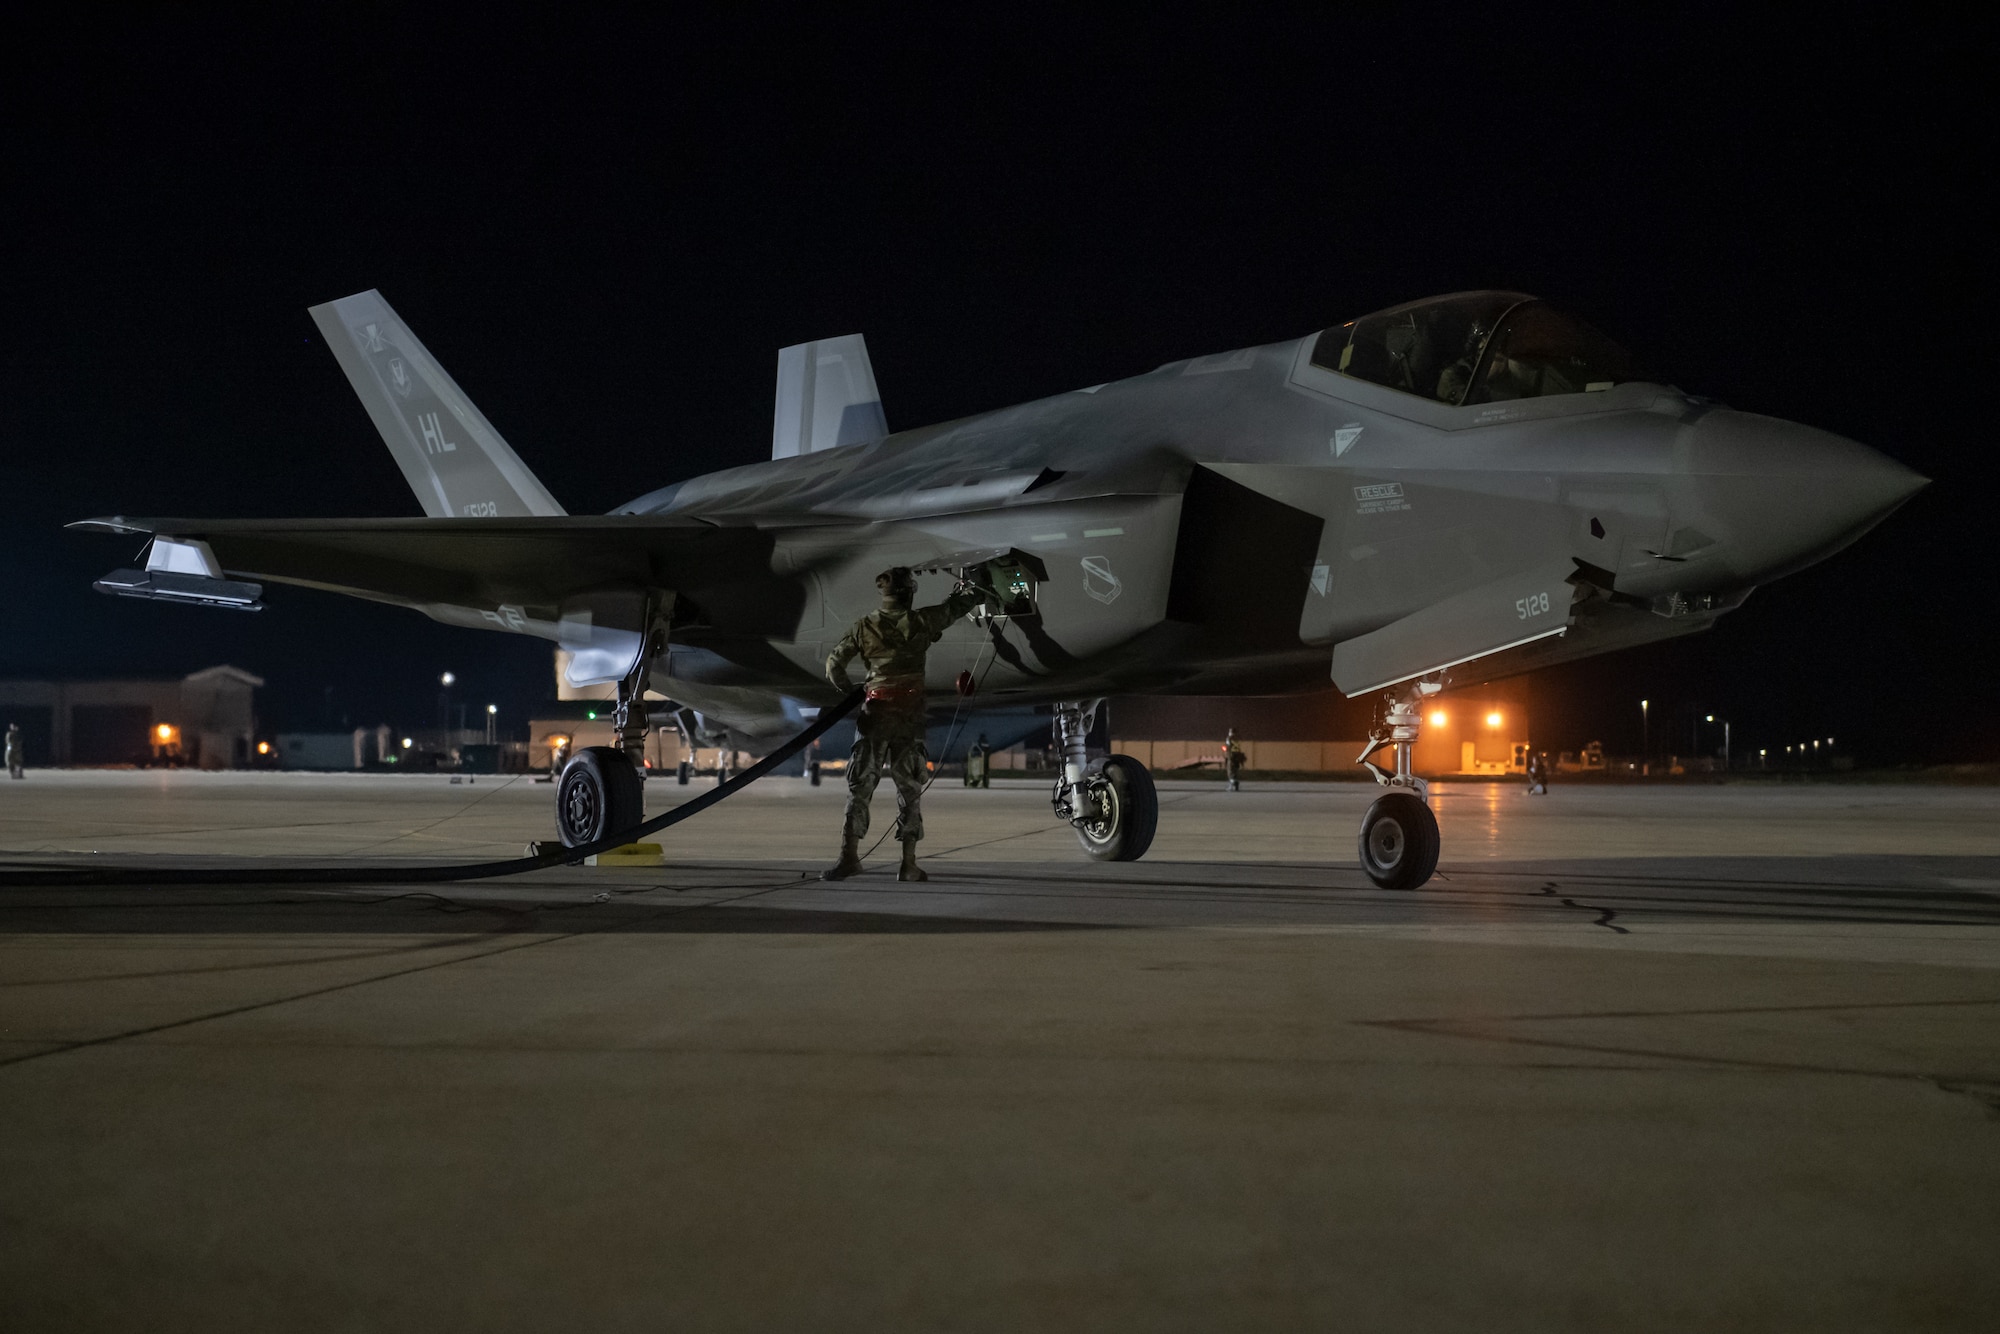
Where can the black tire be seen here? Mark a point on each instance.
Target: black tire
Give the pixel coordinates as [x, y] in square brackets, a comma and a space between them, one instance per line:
[1127, 810]
[1399, 841]
[598, 795]
[683, 772]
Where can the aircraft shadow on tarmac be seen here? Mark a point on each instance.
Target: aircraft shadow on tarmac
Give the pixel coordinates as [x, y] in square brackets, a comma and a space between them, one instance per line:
[1621, 896]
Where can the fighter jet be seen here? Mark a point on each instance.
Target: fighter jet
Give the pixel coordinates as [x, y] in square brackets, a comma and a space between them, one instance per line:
[1462, 488]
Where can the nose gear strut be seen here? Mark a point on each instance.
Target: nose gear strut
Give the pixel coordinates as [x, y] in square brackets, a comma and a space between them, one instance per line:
[1399, 835]
[1401, 723]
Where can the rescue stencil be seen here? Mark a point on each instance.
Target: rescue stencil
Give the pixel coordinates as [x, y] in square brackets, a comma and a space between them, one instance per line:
[1379, 498]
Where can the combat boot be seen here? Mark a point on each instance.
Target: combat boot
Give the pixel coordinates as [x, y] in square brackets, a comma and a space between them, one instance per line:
[909, 870]
[849, 863]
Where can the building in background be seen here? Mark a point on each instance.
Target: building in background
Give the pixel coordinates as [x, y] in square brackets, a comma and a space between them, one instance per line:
[206, 719]
[1479, 730]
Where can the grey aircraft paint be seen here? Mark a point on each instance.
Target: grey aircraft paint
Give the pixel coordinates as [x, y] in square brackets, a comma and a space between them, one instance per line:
[1253, 522]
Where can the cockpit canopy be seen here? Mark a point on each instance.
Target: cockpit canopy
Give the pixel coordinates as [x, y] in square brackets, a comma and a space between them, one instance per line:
[1475, 347]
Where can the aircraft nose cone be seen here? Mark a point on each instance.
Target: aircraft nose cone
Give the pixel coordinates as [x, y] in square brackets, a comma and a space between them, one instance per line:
[1782, 496]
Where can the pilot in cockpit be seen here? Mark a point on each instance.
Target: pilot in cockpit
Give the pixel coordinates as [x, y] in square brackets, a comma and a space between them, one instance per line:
[1508, 377]
[1452, 383]
[1504, 377]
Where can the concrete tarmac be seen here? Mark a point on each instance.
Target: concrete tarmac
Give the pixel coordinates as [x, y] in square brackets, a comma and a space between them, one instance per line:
[1650, 1058]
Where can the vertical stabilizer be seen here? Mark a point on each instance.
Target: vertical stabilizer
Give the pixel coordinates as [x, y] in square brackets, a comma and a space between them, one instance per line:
[450, 454]
[826, 397]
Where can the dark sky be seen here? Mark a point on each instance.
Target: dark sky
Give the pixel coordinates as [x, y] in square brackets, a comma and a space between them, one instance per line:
[605, 229]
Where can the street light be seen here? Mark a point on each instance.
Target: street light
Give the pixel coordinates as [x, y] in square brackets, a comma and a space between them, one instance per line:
[1709, 718]
[491, 709]
[1645, 737]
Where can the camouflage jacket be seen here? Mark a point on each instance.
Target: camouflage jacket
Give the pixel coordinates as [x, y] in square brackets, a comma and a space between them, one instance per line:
[892, 644]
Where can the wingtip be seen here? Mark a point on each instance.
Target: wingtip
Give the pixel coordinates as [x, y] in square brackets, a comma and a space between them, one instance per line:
[114, 523]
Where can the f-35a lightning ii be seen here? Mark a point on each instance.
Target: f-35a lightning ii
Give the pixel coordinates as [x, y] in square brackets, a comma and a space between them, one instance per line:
[1465, 487]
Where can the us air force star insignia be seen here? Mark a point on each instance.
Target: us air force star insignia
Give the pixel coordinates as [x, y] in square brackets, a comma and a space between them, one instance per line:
[372, 337]
[1344, 438]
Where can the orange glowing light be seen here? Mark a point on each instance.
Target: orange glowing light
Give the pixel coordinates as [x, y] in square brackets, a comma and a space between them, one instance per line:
[165, 732]
[1492, 720]
[263, 748]
[1438, 719]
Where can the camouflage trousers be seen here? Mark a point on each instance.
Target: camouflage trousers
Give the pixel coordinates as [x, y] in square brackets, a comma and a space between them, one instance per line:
[904, 757]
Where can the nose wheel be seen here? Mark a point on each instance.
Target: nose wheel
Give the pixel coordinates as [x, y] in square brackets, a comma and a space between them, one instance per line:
[1399, 841]
[1399, 835]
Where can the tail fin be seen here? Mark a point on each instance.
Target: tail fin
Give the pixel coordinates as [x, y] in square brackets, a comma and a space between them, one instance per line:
[826, 397]
[452, 457]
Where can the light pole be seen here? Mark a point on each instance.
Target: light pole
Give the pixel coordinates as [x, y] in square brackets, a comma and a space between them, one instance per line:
[491, 710]
[444, 707]
[1645, 738]
[1725, 740]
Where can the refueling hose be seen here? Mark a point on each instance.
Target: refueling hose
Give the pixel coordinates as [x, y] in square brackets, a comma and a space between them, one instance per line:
[418, 875]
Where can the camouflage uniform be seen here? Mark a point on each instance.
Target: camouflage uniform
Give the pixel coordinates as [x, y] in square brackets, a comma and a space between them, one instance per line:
[890, 731]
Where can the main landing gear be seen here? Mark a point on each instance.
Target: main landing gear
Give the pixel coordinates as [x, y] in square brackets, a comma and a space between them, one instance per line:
[1110, 802]
[1399, 835]
[600, 793]
[602, 790]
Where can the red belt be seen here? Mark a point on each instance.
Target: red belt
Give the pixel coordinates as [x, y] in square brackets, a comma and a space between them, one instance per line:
[895, 694]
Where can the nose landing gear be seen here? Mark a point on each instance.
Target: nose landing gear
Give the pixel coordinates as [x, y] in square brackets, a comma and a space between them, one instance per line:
[1111, 803]
[1399, 835]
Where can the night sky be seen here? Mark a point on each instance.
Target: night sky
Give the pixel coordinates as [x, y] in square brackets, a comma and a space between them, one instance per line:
[605, 231]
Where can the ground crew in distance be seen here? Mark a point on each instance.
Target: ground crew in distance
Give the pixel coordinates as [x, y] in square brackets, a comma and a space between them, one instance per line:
[979, 763]
[1233, 760]
[889, 733]
[15, 759]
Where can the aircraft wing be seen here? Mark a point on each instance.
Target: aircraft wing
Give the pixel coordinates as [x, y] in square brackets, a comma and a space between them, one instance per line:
[507, 572]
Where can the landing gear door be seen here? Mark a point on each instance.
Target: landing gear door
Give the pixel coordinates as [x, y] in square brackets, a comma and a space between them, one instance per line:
[601, 633]
[1503, 614]
[1010, 577]
[1013, 575]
